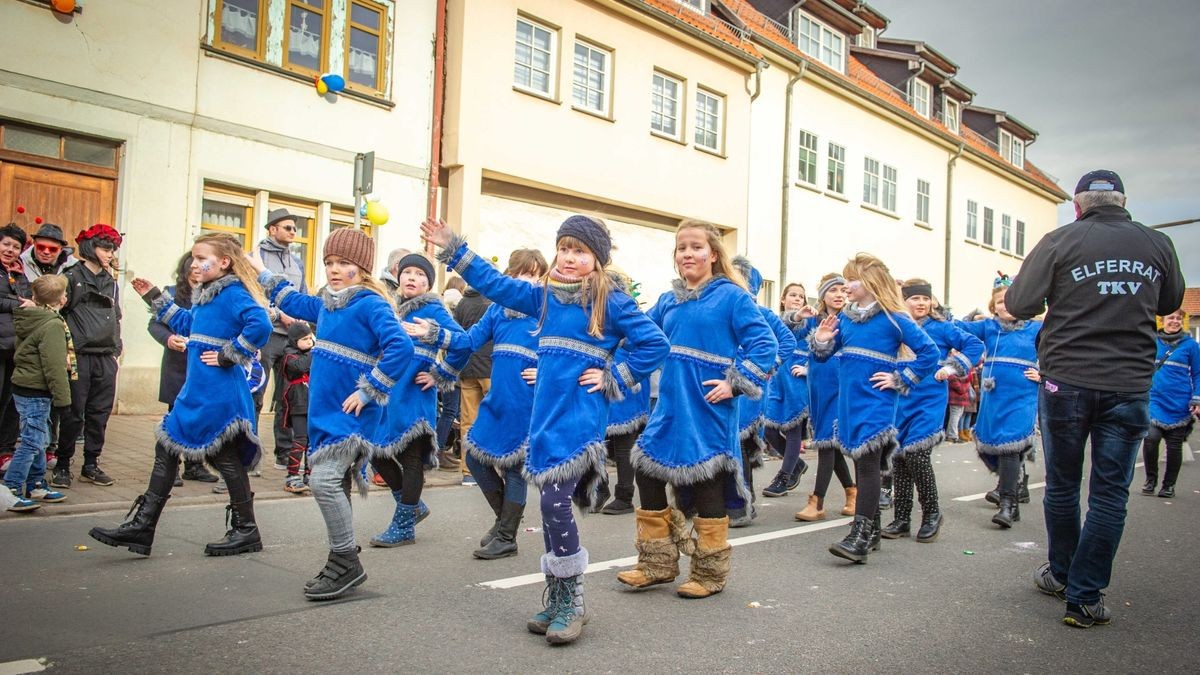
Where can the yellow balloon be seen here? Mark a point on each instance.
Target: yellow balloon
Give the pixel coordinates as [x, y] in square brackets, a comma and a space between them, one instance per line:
[322, 88]
[377, 213]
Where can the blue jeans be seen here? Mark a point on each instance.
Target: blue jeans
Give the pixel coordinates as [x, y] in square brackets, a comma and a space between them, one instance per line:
[489, 481]
[445, 422]
[1115, 423]
[28, 465]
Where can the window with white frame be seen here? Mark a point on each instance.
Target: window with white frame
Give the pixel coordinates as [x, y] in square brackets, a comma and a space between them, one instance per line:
[664, 105]
[889, 188]
[1005, 232]
[591, 87]
[1012, 149]
[918, 95]
[989, 219]
[950, 113]
[534, 58]
[1018, 153]
[867, 37]
[972, 220]
[698, 5]
[1020, 237]
[709, 113]
[922, 201]
[822, 43]
[807, 172]
[835, 176]
[871, 181]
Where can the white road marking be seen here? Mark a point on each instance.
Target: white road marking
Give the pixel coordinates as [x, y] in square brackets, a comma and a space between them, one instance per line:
[23, 666]
[1032, 486]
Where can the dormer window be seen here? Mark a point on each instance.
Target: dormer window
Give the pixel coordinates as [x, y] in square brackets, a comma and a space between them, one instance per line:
[867, 38]
[697, 5]
[918, 96]
[1012, 149]
[822, 43]
[950, 113]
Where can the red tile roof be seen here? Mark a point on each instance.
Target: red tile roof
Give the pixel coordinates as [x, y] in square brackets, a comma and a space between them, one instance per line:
[1191, 302]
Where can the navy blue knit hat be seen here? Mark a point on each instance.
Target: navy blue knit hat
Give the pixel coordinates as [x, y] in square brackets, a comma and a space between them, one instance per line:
[419, 261]
[591, 232]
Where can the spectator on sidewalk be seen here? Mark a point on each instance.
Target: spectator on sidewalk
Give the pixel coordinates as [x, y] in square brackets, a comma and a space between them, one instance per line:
[474, 381]
[93, 313]
[14, 293]
[297, 362]
[1101, 280]
[173, 370]
[390, 274]
[276, 254]
[44, 368]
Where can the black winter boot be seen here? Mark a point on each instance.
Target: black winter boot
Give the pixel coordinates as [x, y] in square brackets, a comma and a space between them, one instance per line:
[136, 533]
[1009, 512]
[242, 536]
[778, 486]
[1023, 488]
[504, 544]
[495, 499]
[1149, 486]
[855, 546]
[993, 495]
[931, 526]
[899, 527]
[875, 533]
[342, 572]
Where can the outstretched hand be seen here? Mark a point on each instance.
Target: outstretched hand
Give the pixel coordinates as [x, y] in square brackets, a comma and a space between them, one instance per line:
[436, 232]
[141, 286]
[255, 260]
[827, 329]
[417, 328]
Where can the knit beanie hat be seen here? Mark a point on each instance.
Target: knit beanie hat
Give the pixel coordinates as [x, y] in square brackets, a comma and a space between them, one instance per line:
[419, 261]
[298, 331]
[353, 245]
[591, 232]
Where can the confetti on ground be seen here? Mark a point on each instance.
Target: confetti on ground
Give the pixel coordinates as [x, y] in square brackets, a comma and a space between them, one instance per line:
[1025, 544]
[533, 529]
[968, 552]
[81, 547]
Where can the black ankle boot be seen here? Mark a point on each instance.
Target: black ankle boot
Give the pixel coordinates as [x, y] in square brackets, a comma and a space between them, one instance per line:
[875, 533]
[601, 499]
[242, 536]
[931, 526]
[1009, 512]
[856, 545]
[993, 495]
[495, 499]
[1023, 489]
[899, 527]
[1148, 488]
[504, 544]
[342, 572]
[136, 533]
[778, 486]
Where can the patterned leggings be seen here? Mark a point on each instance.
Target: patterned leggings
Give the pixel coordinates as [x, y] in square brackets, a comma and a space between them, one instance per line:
[914, 468]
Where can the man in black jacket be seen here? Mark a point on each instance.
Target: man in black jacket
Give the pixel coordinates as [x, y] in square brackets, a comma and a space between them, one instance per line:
[1103, 278]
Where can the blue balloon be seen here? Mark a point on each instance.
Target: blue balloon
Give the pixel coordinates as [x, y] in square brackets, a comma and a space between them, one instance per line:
[335, 82]
[362, 210]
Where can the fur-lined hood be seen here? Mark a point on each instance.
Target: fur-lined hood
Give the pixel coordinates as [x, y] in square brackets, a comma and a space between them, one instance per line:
[406, 307]
[335, 300]
[211, 289]
[859, 315]
[684, 294]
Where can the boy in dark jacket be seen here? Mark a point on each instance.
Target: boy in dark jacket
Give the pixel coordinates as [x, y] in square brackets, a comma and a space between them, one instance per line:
[43, 368]
[297, 359]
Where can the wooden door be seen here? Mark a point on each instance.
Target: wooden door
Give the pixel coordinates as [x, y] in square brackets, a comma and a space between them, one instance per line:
[72, 201]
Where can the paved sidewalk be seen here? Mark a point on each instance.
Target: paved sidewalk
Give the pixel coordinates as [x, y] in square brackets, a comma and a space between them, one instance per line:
[129, 454]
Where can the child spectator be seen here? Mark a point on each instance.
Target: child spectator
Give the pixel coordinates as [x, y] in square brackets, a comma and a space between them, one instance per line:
[44, 366]
[297, 360]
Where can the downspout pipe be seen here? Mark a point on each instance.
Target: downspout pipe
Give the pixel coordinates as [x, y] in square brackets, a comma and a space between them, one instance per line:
[949, 212]
[435, 133]
[787, 173]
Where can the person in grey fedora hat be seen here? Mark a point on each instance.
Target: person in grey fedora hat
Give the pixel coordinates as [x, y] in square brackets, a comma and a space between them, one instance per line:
[277, 256]
[48, 252]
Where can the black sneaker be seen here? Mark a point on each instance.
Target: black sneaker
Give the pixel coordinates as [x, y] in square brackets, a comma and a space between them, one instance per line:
[778, 486]
[1086, 616]
[1148, 488]
[1167, 492]
[61, 478]
[794, 479]
[94, 474]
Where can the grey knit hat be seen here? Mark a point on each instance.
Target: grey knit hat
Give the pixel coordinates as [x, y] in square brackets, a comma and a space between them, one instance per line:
[591, 232]
[420, 262]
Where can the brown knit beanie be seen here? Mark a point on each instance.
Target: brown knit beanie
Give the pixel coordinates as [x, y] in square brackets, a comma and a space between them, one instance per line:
[353, 245]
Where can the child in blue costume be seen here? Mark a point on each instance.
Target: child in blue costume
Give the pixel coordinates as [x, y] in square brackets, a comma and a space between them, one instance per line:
[496, 444]
[582, 316]
[360, 354]
[923, 412]
[823, 399]
[787, 398]
[752, 413]
[721, 347]
[1174, 401]
[413, 405]
[626, 419]
[871, 334]
[1007, 419]
[213, 416]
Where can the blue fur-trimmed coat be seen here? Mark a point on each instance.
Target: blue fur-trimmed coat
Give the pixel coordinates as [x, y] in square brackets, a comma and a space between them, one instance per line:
[629, 415]
[752, 414]
[868, 341]
[787, 397]
[411, 411]
[214, 406]
[1008, 400]
[717, 332]
[1176, 384]
[361, 349]
[567, 427]
[919, 420]
[823, 386]
[500, 435]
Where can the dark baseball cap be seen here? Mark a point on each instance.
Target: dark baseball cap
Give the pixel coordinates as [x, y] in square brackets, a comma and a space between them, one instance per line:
[1099, 180]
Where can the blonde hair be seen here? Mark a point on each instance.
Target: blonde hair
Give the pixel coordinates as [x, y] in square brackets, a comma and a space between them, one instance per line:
[821, 308]
[934, 312]
[375, 286]
[723, 264]
[595, 288]
[227, 246]
[879, 282]
[527, 261]
[48, 289]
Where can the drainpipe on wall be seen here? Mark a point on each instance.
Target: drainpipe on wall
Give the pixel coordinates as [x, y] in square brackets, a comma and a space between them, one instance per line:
[949, 212]
[787, 171]
[435, 133]
[758, 69]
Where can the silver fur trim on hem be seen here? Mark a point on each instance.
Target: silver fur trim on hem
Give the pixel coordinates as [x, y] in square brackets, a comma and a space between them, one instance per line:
[879, 441]
[921, 445]
[1171, 427]
[632, 426]
[419, 428]
[373, 393]
[742, 384]
[212, 289]
[790, 424]
[751, 429]
[611, 388]
[817, 348]
[1010, 448]
[565, 567]
[825, 445]
[500, 463]
[235, 428]
[588, 462]
[690, 475]
[270, 281]
[232, 353]
[354, 447]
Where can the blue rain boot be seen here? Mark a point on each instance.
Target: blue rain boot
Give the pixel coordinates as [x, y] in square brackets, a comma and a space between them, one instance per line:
[422, 509]
[401, 530]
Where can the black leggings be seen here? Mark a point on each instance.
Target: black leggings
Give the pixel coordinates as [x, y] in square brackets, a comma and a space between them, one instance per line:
[404, 472]
[619, 447]
[1174, 438]
[869, 469]
[829, 462]
[708, 496]
[227, 461]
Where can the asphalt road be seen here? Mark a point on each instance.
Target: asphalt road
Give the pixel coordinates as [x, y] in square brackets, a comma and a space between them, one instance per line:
[789, 606]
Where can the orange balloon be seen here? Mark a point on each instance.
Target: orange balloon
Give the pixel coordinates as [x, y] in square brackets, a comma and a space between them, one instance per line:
[64, 6]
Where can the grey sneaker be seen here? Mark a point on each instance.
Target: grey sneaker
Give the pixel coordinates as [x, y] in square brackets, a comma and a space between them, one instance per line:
[1086, 616]
[1046, 582]
[220, 487]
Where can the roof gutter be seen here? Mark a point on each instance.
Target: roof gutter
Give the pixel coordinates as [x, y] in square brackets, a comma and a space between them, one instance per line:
[787, 172]
[949, 212]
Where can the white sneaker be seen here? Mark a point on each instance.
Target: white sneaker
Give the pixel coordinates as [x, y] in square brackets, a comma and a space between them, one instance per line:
[40, 494]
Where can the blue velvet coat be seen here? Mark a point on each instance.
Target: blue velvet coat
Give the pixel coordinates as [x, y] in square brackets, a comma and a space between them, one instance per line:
[1176, 384]
[214, 406]
[787, 398]
[921, 414]
[1008, 400]
[629, 415]
[752, 414]
[823, 386]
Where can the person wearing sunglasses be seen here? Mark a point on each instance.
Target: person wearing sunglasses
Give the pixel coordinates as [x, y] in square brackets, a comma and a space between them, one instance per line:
[48, 252]
[276, 254]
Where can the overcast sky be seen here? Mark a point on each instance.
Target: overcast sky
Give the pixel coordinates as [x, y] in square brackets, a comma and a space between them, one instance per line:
[1106, 83]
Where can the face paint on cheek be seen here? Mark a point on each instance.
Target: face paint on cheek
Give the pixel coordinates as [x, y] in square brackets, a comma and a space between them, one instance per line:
[351, 274]
[205, 267]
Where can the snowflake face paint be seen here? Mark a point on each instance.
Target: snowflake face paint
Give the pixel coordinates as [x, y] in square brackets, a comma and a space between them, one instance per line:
[340, 272]
[207, 265]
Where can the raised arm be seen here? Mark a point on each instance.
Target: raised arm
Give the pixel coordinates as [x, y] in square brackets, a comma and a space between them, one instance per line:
[968, 346]
[645, 348]
[463, 344]
[1034, 283]
[757, 348]
[256, 329]
[926, 350]
[395, 350]
[505, 290]
[288, 299]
